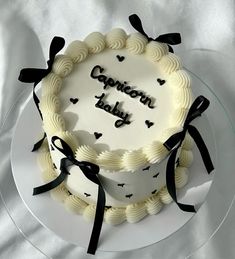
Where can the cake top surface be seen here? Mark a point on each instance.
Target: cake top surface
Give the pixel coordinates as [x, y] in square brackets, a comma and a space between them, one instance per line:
[119, 95]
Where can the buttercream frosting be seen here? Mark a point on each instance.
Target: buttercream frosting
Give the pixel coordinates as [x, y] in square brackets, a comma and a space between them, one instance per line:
[136, 43]
[116, 39]
[95, 42]
[77, 51]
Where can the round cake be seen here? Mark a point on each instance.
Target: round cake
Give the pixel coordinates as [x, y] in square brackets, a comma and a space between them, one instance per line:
[116, 112]
[115, 99]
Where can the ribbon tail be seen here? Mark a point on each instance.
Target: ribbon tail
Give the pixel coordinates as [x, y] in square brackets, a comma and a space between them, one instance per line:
[194, 133]
[38, 144]
[170, 183]
[99, 215]
[51, 185]
[137, 24]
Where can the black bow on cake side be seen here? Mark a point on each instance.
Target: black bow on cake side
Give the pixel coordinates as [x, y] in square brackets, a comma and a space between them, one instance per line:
[168, 38]
[174, 143]
[91, 171]
[35, 75]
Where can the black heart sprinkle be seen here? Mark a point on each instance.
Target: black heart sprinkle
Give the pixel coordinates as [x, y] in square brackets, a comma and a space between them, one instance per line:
[121, 184]
[54, 166]
[73, 100]
[153, 191]
[156, 175]
[149, 123]
[161, 82]
[120, 58]
[87, 194]
[129, 196]
[97, 135]
[146, 168]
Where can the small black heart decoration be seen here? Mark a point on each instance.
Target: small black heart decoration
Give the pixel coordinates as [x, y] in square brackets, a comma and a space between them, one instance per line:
[97, 135]
[149, 123]
[120, 58]
[153, 191]
[73, 100]
[129, 195]
[146, 168]
[87, 194]
[161, 81]
[156, 175]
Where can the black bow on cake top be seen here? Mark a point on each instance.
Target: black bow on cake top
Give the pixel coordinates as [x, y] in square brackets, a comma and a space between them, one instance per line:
[35, 75]
[168, 38]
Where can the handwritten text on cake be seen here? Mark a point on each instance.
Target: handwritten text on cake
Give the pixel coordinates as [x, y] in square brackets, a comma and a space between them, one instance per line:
[96, 73]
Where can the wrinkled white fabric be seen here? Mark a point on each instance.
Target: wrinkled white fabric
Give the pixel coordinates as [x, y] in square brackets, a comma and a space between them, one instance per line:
[26, 29]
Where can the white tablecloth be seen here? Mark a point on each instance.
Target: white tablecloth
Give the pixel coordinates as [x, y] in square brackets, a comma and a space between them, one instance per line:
[27, 28]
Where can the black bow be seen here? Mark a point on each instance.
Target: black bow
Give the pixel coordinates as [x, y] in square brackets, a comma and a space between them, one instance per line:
[91, 171]
[175, 141]
[169, 38]
[35, 75]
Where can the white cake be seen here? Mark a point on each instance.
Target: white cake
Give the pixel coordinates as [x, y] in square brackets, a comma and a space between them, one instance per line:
[115, 99]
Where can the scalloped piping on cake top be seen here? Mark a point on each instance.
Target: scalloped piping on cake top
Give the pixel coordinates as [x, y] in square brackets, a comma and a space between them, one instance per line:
[136, 43]
[132, 213]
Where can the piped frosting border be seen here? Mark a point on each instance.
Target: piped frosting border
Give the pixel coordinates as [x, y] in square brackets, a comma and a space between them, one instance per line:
[132, 213]
[136, 43]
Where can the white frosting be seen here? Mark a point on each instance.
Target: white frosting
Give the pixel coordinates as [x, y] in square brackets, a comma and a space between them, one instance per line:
[188, 142]
[44, 147]
[44, 160]
[170, 63]
[186, 158]
[136, 43]
[89, 212]
[86, 153]
[109, 160]
[69, 138]
[168, 133]
[53, 123]
[155, 152]
[60, 193]
[116, 39]
[48, 175]
[49, 103]
[95, 42]
[165, 196]
[135, 212]
[183, 98]
[154, 204]
[115, 216]
[62, 65]
[156, 50]
[77, 51]
[181, 176]
[179, 79]
[51, 84]
[178, 117]
[131, 158]
[74, 204]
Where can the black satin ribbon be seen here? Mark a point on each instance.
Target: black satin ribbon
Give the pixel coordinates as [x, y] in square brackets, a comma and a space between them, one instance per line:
[91, 171]
[168, 38]
[35, 75]
[175, 141]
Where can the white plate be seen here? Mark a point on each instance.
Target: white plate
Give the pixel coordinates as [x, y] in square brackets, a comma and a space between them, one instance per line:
[73, 228]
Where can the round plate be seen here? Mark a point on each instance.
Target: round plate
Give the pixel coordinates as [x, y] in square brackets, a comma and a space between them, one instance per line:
[129, 236]
[202, 226]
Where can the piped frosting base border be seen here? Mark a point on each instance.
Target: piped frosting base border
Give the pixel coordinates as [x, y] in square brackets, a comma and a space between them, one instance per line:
[132, 213]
